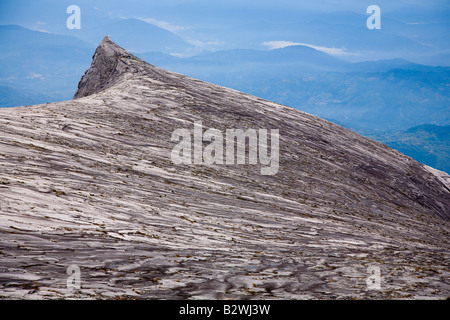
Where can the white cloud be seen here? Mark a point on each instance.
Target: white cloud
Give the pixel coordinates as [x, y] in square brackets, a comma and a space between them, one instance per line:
[205, 44]
[33, 75]
[38, 27]
[331, 51]
[163, 24]
[279, 44]
[41, 30]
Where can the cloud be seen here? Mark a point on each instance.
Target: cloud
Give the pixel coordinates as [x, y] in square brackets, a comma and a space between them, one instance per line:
[33, 75]
[279, 44]
[38, 27]
[163, 24]
[205, 44]
[331, 51]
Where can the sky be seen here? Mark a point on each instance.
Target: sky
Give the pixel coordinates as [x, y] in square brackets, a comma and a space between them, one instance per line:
[230, 24]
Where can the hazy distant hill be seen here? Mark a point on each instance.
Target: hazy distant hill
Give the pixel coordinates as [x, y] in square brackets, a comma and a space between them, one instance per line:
[47, 64]
[413, 30]
[136, 35]
[51, 64]
[10, 97]
[429, 144]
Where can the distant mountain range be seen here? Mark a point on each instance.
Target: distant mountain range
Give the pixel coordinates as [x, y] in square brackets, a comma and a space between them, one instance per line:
[48, 65]
[376, 98]
[149, 37]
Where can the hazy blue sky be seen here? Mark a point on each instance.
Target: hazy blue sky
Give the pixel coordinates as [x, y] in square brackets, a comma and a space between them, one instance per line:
[416, 25]
[204, 13]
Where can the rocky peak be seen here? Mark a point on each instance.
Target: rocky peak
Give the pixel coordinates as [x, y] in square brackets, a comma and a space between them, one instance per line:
[109, 63]
[85, 184]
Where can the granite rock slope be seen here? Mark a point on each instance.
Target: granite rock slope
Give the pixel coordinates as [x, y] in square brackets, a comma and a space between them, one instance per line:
[90, 182]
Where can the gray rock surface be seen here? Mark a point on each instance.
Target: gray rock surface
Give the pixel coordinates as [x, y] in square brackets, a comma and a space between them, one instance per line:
[90, 182]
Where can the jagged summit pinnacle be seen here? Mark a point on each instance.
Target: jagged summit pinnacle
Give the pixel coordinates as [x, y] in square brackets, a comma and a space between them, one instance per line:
[110, 48]
[108, 63]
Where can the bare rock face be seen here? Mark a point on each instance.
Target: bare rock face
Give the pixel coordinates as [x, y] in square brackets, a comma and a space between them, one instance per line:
[108, 63]
[90, 183]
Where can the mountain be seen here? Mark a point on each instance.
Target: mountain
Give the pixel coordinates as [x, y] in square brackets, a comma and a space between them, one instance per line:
[410, 30]
[137, 35]
[290, 55]
[14, 37]
[98, 184]
[10, 97]
[53, 68]
[372, 96]
[233, 67]
[50, 70]
[346, 30]
[428, 143]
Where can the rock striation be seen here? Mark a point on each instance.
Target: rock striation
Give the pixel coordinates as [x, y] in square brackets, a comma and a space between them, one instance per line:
[90, 183]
